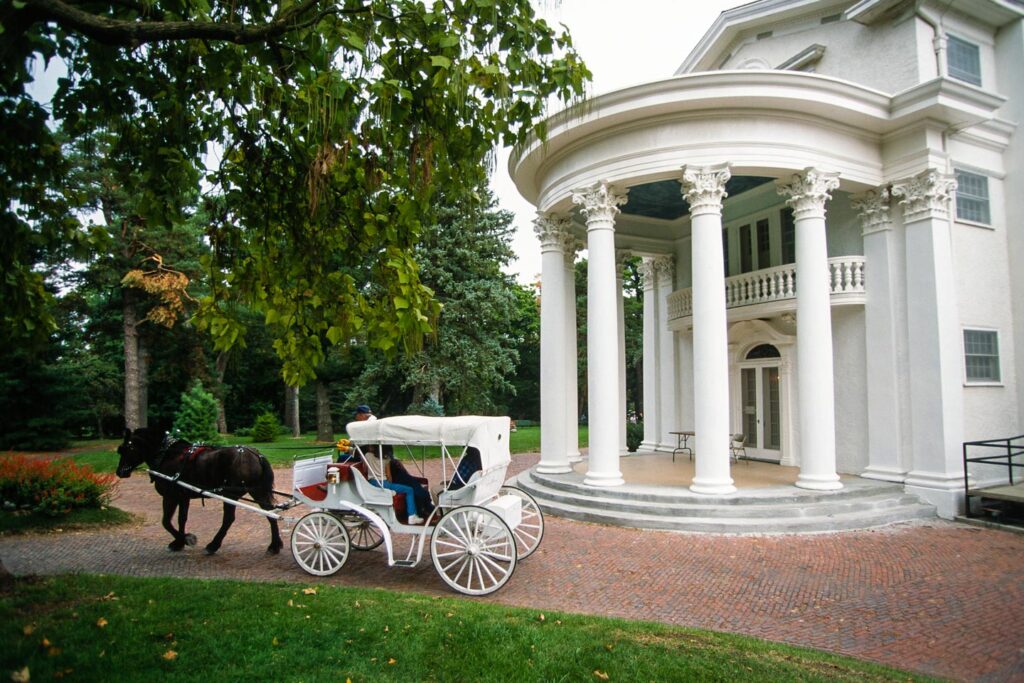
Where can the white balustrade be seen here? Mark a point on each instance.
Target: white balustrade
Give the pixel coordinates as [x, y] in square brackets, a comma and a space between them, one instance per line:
[846, 276]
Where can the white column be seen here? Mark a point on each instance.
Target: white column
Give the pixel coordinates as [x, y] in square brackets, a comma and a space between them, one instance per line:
[935, 364]
[668, 406]
[551, 230]
[600, 205]
[704, 189]
[620, 262]
[572, 395]
[883, 371]
[651, 374]
[815, 380]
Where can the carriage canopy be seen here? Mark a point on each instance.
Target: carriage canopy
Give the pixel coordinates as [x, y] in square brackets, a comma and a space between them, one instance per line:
[489, 435]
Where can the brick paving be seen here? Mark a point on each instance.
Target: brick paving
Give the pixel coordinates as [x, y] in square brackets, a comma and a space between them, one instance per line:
[934, 597]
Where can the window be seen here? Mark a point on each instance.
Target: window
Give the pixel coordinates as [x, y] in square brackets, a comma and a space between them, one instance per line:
[764, 252]
[788, 235]
[972, 197]
[746, 255]
[963, 60]
[981, 355]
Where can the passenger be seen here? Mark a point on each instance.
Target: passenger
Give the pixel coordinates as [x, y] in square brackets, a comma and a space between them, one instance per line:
[391, 468]
[468, 466]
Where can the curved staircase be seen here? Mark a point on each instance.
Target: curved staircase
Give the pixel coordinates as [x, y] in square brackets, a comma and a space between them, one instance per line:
[860, 504]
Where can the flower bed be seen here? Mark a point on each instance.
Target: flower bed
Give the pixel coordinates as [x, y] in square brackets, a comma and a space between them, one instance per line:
[51, 487]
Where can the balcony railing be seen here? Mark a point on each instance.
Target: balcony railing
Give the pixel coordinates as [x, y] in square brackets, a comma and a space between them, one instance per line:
[846, 281]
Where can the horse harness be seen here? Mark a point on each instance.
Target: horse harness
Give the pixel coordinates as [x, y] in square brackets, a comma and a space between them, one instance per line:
[191, 454]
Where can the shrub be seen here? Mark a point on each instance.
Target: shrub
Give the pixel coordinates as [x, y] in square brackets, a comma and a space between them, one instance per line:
[427, 406]
[196, 419]
[52, 487]
[265, 428]
[634, 435]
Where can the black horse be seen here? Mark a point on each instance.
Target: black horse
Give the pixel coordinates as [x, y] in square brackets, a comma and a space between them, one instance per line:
[231, 472]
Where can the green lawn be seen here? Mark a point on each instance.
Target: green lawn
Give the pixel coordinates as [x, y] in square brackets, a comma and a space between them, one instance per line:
[20, 522]
[102, 455]
[85, 627]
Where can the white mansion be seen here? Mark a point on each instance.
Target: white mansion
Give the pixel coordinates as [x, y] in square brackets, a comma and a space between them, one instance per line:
[829, 199]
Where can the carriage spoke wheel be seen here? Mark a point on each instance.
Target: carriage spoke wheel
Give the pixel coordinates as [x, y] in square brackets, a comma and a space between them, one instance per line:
[363, 533]
[473, 550]
[531, 529]
[320, 543]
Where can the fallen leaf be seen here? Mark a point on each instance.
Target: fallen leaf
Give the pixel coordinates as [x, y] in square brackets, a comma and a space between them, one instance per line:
[27, 629]
[169, 636]
[170, 655]
[291, 604]
[274, 641]
[45, 642]
[540, 617]
[101, 622]
[392, 661]
[109, 596]
[21, 676]
[600, 674]
[609, 647]
[386, 629]
[309, 591]
[54, 651]
[357, 605]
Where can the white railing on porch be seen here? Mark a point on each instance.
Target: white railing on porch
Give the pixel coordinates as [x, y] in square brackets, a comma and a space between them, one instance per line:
[846, 277]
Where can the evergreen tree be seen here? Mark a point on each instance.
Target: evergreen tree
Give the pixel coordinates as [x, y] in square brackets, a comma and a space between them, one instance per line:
[197, 418]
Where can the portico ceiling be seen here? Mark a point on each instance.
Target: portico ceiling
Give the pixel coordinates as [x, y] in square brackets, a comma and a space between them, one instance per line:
[663, 199]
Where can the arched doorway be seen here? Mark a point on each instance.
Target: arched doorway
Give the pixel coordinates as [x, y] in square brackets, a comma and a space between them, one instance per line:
[761, 402]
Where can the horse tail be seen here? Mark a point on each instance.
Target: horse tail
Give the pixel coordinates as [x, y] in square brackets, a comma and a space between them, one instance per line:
[266, 482]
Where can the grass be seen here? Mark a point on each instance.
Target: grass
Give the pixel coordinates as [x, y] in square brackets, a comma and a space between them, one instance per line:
[22, 522]
[84, 627]
[102, 455]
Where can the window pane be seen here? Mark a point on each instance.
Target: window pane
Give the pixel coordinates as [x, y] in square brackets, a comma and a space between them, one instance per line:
[764, 256]
[788, 236]
[981, 355]
[972, 197]
[963, 60]
[746, 256]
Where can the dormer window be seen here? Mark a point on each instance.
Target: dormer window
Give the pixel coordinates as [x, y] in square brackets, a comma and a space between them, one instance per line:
[963, 60]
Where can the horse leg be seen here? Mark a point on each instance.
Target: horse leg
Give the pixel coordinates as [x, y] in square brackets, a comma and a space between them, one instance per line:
[266, 501]
[170, 505]
[190, 539]
[226, 521]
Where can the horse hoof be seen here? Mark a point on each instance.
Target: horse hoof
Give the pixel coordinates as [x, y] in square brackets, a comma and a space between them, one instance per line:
[210, 550]
[190, 539]
[175, 546]
[274, 550]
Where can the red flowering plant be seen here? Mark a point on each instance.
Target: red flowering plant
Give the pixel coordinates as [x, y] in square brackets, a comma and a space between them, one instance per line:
[52, 487]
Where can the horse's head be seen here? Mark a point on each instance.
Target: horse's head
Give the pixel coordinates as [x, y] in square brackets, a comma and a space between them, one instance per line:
[133, 452]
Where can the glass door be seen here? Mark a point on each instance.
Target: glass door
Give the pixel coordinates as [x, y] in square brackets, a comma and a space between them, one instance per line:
[761, 411]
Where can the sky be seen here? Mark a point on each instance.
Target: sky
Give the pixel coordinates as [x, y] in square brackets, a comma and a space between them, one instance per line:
[623, 42]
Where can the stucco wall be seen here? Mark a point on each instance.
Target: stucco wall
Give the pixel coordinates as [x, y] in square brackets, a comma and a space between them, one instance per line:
[853, 52]
[848, 362]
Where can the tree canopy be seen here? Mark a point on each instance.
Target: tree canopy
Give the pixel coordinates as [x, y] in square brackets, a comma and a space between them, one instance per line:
[317, 132]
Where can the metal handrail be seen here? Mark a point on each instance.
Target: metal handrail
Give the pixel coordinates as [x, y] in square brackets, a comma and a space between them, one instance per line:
[1011, 449]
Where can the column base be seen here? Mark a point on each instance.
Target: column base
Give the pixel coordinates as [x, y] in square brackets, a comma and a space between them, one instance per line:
[575, 457]
[819, 482]
[884, 474]
[651, 446]
[713, 487]
[604, 479]
[552, 469]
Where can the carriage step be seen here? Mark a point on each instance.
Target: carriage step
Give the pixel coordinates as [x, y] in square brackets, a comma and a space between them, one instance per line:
[287, 505]
[405, 563]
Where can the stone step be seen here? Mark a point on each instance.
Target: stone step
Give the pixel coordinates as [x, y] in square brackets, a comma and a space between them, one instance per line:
[873, 506]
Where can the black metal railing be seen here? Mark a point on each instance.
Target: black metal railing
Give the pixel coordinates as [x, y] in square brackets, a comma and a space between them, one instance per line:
[996, 452]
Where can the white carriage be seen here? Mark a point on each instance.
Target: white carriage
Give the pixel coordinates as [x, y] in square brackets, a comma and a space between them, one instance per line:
[478, 531]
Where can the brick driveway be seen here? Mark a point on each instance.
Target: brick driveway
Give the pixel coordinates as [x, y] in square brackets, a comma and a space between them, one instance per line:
[937, 597]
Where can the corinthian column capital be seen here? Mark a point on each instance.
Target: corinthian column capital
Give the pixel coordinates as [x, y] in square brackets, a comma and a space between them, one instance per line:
[704, 187]
[873, 206]
[808, 192]
[647, 272]
[925, 195]
[665, 267]
[599, 202]
[553, 232]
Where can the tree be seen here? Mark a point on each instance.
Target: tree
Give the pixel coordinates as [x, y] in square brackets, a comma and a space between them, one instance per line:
[197, 418]
[332, 124]
[473, 354]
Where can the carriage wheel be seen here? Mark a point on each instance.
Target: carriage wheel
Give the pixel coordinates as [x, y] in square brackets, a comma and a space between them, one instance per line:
[363, 533]
[531, 529]
[473, 550]
[320, 543]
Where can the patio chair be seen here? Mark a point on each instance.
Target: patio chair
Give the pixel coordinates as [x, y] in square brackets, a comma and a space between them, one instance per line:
[737, 447]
